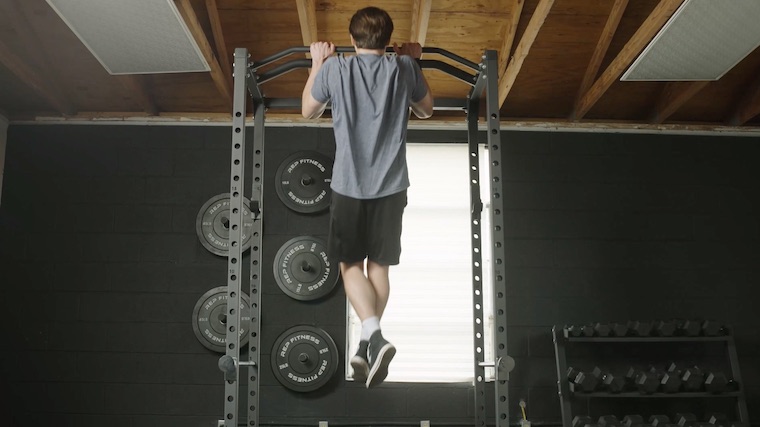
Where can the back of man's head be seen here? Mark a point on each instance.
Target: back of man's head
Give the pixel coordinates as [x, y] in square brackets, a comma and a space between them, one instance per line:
[371, 28]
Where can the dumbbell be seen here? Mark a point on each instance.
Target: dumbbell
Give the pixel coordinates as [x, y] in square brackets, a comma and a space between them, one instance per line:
[718, 419]
[692, 379]
[583, 421]
[619, 329]
[587, 330]
[576, 331]
[640, 328]
[689, 328]
[613, 383]
[586, 382]
[686, 419]
[572, 373]
[711, 328]
[608, 421]
[665, 328]
[659, 420]
[670, 381]
[602, 329]
[572, 331]
[643, 381]
[716, 382]
[583, 381]
[633, 421]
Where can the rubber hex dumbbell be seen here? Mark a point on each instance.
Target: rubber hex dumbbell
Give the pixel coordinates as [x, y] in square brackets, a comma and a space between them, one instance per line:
[630, 377]
[613, 383]
[586, 382]
[686, 419]
[659, 420]
[608, 421]
[692, 379]
[718, 419]
[572, 373]
[646, 382]
[574, 331]
[633, 421]
[716, 382]
[670, 381]
[620, 329]
[588, 330]
[583, 421]
[665, 328]
[690, 328]
[711, 328]
[640, 328]
[602, 329]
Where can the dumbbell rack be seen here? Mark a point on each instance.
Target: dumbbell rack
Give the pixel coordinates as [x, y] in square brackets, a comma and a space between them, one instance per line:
[562, 340]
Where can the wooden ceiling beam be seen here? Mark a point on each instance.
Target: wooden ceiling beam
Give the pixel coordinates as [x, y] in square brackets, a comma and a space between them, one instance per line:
[225, 59]
[511, 31]
[507, 80]
[307, 17]
[137, 85]
[654, 22]
[673, 96]
[749, 105]
[420, 20]
[48, 81]
[217, 74]
[610, 27]
[39, 84]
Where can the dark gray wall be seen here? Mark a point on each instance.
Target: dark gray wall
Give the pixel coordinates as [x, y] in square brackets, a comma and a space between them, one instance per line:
[611, 227]
[100, 267]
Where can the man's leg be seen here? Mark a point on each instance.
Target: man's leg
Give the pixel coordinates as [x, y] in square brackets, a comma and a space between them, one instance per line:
[359, 289]
[361, 295]
[378, 277]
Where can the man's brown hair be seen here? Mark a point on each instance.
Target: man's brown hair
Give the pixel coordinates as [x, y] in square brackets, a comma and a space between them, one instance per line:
[371, 28]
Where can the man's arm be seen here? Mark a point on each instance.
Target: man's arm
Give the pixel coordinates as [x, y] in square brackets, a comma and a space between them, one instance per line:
[310, 107]
[424, 107]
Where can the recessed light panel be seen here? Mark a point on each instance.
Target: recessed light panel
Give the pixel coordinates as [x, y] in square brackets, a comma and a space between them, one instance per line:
[133, 36]
[701, 41]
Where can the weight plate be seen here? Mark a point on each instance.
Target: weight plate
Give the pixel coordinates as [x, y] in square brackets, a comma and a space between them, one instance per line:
[302, 269]
[210, 319]
[303, 182]
[304, 358]
[213, 224]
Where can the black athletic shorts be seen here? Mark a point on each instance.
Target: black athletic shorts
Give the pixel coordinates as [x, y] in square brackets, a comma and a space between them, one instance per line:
[366, 228]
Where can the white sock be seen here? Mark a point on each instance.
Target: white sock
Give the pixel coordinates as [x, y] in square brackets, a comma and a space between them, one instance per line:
[369, 326]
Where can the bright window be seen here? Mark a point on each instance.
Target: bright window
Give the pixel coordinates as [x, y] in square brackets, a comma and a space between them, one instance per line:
[429, 315]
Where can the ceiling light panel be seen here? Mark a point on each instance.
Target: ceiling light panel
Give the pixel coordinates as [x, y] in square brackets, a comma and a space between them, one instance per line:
[133, 36]
[701, 41]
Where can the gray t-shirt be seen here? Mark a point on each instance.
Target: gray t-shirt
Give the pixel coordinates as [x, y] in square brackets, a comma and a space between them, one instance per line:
[370, 97]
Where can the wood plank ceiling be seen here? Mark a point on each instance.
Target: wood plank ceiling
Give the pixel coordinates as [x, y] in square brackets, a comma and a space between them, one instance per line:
[560, 62]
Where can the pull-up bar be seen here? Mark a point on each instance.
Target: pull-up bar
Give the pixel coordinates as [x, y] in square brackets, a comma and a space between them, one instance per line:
[424, 63]
[284, 68]
[350, 49]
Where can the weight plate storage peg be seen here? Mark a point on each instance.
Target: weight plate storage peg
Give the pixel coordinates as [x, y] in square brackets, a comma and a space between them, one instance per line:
[213, 224]
[303, 182]
[302, 269]
[210, 319]
[304, 358]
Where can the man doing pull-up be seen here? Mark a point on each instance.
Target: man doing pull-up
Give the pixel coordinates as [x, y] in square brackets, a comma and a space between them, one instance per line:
[370, 95]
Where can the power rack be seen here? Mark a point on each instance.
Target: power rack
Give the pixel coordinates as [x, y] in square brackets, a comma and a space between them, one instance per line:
[483, 79]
